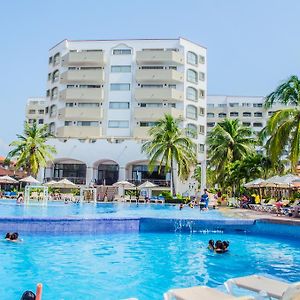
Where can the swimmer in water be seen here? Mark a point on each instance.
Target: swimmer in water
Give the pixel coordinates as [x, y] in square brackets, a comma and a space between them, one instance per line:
[211, 245]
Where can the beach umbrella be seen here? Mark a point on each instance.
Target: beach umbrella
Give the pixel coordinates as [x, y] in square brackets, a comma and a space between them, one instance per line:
[7, 179]
[287, 180]
[64, 184]
[29, 180]
[147, 185]
[50, 183]
[123, 184]
[271, 182]
[254, 183]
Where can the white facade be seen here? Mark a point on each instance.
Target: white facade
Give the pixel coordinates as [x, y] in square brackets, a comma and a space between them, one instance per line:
[104, 96]
[35, 110]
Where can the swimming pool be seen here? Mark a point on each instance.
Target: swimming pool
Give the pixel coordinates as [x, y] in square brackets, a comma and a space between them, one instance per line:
[104, 210]
[142, 265]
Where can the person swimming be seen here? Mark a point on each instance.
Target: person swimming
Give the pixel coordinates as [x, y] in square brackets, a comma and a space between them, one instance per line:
[13, 237]
[28, 295]
[8, 235]
[211, 245]
[221, 247]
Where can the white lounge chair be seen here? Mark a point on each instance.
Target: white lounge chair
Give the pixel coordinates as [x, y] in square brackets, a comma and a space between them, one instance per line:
[200, 292]
[266, 287]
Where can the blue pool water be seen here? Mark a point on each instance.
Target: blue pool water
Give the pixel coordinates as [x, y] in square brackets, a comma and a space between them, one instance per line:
[8, 208]
[142, 265]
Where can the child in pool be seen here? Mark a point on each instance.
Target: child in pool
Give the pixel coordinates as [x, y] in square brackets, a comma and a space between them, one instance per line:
[211, 245]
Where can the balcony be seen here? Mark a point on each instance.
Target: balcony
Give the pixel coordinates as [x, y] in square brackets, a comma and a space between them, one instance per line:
[80, 113]
[82, 76]
[150, 114]
[158, 76]
[159, 57]
[79, 132]
[89, 94]
[84, 58]
[158, 94]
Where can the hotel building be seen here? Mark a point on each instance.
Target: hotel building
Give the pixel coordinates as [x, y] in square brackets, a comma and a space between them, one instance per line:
[35, 110]
[103, 97]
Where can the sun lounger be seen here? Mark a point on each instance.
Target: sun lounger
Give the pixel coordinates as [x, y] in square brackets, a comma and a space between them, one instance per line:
[266, 287]
[200, 292]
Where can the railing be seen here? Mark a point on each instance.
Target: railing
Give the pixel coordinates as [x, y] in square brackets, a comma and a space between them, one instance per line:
[159, 182]
[76, 180]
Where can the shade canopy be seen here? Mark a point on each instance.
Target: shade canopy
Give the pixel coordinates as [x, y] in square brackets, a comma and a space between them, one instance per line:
[254, 183]
[7, 179]
[64, 184]
[287, 180]
[124, 184]
[30, 180]
[50, 183]
[271, 182]
[147, 185]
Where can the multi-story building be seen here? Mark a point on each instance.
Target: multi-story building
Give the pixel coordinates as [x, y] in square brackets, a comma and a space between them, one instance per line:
[35, 110]
[103, 97]
[249, 110]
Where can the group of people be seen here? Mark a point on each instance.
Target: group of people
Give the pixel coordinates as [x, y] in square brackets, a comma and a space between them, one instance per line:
[203, 203]
[218, 246]
[12, 237]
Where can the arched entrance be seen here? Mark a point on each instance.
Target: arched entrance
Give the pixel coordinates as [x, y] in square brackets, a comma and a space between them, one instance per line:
[108, 172]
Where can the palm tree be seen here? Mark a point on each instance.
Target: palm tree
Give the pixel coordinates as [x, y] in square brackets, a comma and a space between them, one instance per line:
[228, 142]
[31, 150]
[170, 146]
[282, 132]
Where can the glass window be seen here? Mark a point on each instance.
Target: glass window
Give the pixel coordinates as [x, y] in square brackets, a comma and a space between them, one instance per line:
[88, 105]
[118, 124]
[172, 105]
[155, 105]
[48, 93]
[50, 59]
[234, 114]
[41, 121]
[191, 131]
[56, 59]
[201, 59]
[192, 76]
[120, 69]
[192, 58]
[68, 123]
[69, 104]
[246, 124]
[246, 104]
[55, 76]
[201, 148]
[53, 110]
[247, 114]
[54, 93]
[201, 93]
[201, 76]
[271, 113]
[52, 127]
[148, 124]
[191, 112]
[233, 104]
[258, 114]
[210, 115]
[120, 86]
[191, 94]
[31, 111]
[257, 125]
[152, 86]
[222, 105]
[121, 51]
[211, 124]
[201, 129]
[88, 123]
[222, 115]
[257, 105]
[118, 105]
[201, 111]
[210, 105]
[49, 76]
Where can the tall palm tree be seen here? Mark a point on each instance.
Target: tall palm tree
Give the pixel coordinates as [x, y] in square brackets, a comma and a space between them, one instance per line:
[31, 150]
[228, 142]
[169, 146]
[282, 132]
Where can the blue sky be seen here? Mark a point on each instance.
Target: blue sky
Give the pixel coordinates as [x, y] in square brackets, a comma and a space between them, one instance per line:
[252, 45]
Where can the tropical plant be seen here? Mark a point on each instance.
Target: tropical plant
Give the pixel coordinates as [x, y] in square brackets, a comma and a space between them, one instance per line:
[228, 142]
[31, 150]
[170, 147]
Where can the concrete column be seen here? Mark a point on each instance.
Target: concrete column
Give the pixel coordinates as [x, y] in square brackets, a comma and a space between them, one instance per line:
[89, 175]
[203, 175]
[122, 173]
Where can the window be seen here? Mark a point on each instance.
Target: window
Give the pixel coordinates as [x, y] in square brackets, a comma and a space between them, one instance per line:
[246, 124]
[246, 114]
[191, 131]
[201, 148]
[120, 69]
[152, 86]
[192, 58]
[55, 76]
[49, 76]
[155, 105]
[41, 111]
[201, 59]
[211, 124]
[56, 59]
[210, 115]
[48, 93]
[69, 104]
[41, 121]
[258, 114]
[172, 86]
[31, 111]
[222, 115]
[52, 110]
[222, 105]
[191, 112]
[201, 76]
[30, 121]
[257, 125]
[234, 114]
[192, 76]
[121, 51]
[54, 93]
[118, 124]
[120, 86]
[210, 105]
[52, 127]
[172, 105]
[271, 113]
[152, 67]
[118, 105]
[148, 124]
[246, 104]
[201, 129]
[233, 104]
[191, 94]
[68, 123]
[50, 60]
[201, 111]
[88, 105]
[46, 109]
[257, 105]
[88, 123]
[201, 93]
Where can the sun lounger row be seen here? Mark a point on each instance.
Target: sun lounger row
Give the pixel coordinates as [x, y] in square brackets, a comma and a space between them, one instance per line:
[264, 287]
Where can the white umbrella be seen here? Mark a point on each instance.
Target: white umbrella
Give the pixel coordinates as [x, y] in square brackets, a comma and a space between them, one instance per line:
[30, 180]
[287, 180]
[123, 184]
[254, 183]
[50, 183]
[271, 182]
[147, 185]
[65, 183]
[7, 179]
